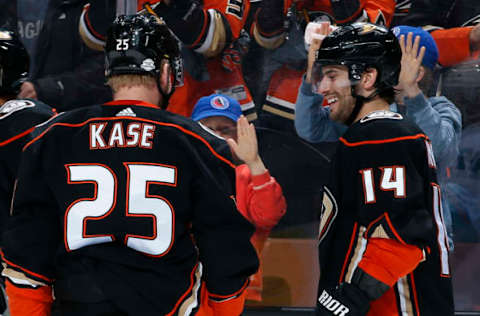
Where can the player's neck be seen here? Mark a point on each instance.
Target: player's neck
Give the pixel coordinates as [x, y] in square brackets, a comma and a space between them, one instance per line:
[138, 92]
[377, 104]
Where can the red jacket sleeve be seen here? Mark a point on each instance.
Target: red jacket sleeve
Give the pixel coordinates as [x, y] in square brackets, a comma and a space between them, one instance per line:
[458, 37]
[259, 198]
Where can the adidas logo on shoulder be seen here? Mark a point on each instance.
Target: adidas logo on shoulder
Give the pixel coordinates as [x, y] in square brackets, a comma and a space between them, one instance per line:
[126, 112]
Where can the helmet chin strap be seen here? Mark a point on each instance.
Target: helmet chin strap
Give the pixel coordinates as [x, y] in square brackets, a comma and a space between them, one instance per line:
[359, 102]
[165, 96]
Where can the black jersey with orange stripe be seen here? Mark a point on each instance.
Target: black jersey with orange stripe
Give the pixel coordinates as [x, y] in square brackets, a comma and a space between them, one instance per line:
[127, 199]
[17, 119]
[383, 187]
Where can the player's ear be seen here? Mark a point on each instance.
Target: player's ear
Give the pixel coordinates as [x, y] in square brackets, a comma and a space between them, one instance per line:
[369, 78]
[166, 78]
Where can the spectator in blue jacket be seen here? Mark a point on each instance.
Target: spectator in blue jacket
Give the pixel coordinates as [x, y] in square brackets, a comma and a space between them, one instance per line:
[439, 118]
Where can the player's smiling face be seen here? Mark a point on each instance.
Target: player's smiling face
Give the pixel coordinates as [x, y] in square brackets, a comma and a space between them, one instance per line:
[335, 88]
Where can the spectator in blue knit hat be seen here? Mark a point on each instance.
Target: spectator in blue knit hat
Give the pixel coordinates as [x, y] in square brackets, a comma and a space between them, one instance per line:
[437, 116]
[423, 79]
[259, 197]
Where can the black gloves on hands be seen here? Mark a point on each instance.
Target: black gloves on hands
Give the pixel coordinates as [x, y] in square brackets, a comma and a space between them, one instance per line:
[344, 300]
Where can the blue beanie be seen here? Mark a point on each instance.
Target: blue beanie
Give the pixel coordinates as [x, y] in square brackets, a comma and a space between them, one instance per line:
[217, 105]
[430, 58]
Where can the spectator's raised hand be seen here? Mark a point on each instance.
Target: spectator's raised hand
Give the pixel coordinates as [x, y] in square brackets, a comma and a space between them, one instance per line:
[318, 34]
[27, 90]
[411, 61]
[246, 146]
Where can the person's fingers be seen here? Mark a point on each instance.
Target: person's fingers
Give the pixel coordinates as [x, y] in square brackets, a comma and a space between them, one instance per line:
[402, 44]
[242, 126]
[421, 54]
[408, 46]
[233, 144]
[416, 43]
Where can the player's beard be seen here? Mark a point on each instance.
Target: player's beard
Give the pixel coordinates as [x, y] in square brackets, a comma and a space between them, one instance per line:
[341, 109]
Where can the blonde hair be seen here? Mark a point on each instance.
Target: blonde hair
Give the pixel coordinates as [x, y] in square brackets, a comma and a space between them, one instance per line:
[120, 81]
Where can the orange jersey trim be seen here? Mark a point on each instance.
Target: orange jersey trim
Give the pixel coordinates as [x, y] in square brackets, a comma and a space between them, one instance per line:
[133, 119]
[415, 296]
[14, 138]
[180, 300]
[204, 26]
[383, 141]
[352, 239]
[91, 28]
[24, 269]
[132, 102]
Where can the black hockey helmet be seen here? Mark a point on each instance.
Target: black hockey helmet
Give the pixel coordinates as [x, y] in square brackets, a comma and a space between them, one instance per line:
[360, 46]
[136, 44]
[14, 63]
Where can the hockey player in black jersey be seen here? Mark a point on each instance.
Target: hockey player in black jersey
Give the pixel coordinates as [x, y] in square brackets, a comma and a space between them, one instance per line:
[126, 209]
[17, 119]
[383, 246]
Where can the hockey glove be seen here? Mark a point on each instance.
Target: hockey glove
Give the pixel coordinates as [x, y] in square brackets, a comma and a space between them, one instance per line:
[232, 55]
[344, 300]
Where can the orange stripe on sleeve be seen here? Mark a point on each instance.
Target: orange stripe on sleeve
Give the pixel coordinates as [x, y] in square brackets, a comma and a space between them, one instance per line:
[14, 138]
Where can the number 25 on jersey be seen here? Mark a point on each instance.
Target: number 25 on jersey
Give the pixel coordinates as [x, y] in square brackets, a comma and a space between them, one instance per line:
[138, 204]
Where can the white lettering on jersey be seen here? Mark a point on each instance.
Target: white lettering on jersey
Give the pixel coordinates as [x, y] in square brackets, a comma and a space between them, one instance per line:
[332, 304]
[96, 139]
[134, 135]
[133, 132]
[147, 134]
[393, 179]
[369, 191]
[116, 136]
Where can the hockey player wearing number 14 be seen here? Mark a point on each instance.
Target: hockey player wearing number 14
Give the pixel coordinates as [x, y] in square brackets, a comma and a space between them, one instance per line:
[109, 197]
[383, 245]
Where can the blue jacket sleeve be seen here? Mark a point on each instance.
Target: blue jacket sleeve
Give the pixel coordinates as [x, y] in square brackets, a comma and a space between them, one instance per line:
[441, 120]
[312, 120]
